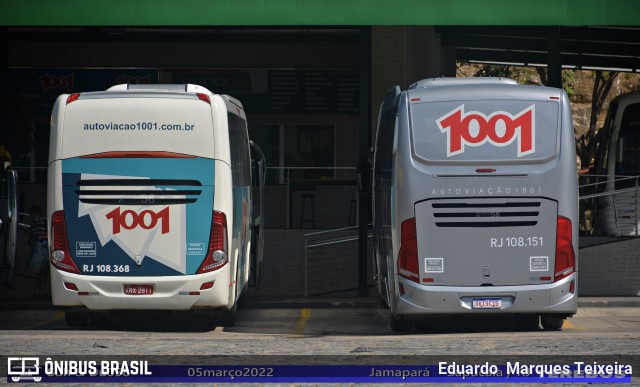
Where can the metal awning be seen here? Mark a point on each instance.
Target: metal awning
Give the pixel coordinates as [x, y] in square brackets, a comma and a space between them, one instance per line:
[610, 48]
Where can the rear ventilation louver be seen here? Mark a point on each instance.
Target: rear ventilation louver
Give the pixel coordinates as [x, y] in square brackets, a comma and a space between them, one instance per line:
[488, 214]
[138, 191]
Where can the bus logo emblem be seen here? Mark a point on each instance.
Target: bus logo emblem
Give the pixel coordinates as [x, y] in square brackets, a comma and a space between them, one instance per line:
[146, 219]
[499, 128]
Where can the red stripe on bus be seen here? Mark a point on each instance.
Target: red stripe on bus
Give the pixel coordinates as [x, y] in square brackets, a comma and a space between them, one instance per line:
[137, 155]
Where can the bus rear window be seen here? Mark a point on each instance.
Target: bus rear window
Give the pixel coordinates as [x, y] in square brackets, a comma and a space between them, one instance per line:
[628, 155]
[487, 130]
[180, 126]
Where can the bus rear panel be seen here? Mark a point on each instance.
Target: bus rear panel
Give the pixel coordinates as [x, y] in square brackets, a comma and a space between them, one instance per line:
[483, 201]
[143, 206]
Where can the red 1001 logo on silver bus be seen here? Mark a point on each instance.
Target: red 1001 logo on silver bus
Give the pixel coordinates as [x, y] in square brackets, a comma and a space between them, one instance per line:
[499, 128]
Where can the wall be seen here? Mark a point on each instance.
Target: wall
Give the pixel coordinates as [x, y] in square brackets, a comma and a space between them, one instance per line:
[332, 270]
[283, 264]
[610, 269]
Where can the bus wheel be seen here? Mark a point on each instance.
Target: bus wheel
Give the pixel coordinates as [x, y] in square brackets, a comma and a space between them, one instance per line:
[76, 319]
[228, 317]
[398, 324]
[528, 322]
[552, 323]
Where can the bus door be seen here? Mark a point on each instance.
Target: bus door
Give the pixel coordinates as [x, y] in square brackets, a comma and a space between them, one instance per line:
[381, 189]
[258, 165]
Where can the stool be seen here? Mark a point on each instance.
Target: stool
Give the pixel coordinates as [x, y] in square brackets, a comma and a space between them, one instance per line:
[312, 206]
[351, 221]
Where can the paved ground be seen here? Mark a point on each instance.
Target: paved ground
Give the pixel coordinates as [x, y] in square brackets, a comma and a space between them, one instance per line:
[324, 331]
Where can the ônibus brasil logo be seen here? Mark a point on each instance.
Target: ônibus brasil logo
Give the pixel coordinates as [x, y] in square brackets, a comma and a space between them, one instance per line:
[499, 128]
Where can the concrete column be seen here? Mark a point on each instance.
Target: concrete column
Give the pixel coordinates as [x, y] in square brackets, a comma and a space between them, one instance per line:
[364, 166]
[554, 65]
[403, 55]
[425, 56]
[387, 64]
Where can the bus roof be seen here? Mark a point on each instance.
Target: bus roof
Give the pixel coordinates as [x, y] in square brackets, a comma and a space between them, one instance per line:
[477, 90]
[185, 88]
[438, 82]
[630, 97]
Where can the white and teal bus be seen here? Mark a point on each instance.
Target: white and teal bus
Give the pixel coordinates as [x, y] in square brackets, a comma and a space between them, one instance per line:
[149, 201]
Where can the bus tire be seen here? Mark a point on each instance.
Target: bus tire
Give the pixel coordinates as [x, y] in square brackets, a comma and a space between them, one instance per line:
[228, 317]
[76, 319]
[399, 324]
[528, 322]
[552, 323]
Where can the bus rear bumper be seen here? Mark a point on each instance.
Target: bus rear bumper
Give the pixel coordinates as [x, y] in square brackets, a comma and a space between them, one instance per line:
[178, 293]
[554, 298]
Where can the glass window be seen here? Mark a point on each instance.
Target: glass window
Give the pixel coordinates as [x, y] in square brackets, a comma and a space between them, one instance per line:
[310, 146]
[240, 157]
[487, 130]
[309, 150]
[628, 147]
[627, 158]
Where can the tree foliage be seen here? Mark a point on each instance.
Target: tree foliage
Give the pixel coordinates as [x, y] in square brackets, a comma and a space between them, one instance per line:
[527, 75]
[603, 81]
[586, 144]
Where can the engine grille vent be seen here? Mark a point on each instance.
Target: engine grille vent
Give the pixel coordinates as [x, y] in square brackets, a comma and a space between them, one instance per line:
[138, 191]
[486, 214]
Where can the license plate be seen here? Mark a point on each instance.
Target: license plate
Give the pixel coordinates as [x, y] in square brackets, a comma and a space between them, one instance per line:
[486, 303]
[135, 290]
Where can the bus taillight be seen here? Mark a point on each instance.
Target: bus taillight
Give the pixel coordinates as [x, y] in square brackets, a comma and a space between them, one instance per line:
[408, 256]
[73, 97]
[204, 98]
[61, 258]
[217, 255]
[565, 256]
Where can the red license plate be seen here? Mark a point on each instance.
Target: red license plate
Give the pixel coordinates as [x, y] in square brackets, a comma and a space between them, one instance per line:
[136, 290]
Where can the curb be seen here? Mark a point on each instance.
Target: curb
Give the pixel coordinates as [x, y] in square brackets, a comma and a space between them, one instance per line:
[613, 302]
[319, 303]
[310, 302]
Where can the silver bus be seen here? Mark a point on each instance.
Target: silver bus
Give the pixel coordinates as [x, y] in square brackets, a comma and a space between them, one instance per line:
[476, 202]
